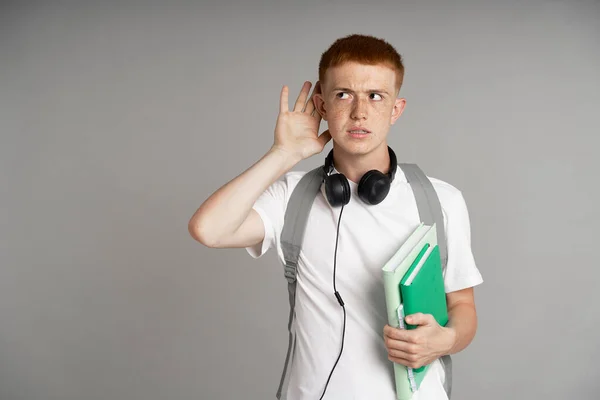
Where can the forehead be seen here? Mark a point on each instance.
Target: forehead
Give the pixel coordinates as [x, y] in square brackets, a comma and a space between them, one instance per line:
[355, 76]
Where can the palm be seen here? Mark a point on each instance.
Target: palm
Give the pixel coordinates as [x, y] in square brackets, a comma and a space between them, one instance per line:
[297, 131]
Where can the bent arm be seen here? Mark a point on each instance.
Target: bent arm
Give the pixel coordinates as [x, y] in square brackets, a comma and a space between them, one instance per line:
[226, 218]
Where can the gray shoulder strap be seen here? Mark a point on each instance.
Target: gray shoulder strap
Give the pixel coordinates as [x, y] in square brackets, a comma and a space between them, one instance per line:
[296, 217]
[294, 226]
[430, 211]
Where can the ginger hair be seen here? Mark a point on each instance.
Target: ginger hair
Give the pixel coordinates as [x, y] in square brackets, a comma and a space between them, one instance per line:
[363, 49]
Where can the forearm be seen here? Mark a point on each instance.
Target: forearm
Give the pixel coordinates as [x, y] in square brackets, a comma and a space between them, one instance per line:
[226, 209]
[462, 325]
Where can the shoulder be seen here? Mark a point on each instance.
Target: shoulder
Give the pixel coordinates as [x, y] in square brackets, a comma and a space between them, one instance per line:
[283, 187]
[290, 180]
[450, 196]
[451, 200]
[445, 191]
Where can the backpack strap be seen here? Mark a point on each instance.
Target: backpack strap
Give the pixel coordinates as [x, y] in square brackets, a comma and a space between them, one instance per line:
[430, 211]
[294, 226]
[296, 217]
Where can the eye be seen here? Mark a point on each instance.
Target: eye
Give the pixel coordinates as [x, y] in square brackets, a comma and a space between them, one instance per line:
[340, 94]
[376, 98]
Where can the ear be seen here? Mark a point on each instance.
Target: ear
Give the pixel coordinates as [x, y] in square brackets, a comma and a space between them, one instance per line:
[399, 105]
[319, 103]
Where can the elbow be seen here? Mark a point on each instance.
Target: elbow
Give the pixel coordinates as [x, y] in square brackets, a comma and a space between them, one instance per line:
[199, 232]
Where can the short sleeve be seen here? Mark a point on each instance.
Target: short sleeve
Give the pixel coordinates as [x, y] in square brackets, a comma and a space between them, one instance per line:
[270, 206]
[461, 270]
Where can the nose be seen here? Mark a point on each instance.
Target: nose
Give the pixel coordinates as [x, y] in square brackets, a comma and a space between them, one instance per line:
[359, 109]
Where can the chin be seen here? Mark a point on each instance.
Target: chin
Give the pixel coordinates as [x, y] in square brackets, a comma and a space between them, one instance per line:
[356, 147]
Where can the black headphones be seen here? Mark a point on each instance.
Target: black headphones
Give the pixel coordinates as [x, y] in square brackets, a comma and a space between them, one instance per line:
[373, 187]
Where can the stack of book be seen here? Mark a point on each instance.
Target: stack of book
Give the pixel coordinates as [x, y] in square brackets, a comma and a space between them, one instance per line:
[414, 283]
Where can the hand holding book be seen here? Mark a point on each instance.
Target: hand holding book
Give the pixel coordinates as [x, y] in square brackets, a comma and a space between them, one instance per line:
[421, 346]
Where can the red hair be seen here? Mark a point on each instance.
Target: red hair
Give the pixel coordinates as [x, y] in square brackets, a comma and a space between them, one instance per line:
[363, 49]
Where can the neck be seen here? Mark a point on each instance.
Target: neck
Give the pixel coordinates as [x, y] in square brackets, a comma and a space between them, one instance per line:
[354, 166]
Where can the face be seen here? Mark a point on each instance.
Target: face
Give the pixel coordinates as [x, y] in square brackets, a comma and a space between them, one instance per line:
[359, 104]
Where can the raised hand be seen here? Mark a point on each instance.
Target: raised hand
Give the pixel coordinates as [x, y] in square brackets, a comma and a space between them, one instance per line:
[297, 131]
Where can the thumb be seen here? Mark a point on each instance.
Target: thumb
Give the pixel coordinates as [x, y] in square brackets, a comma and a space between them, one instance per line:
[324, 137]
[420, 319]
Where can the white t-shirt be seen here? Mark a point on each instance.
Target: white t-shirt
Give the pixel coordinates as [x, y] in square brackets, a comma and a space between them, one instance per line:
[369, 235]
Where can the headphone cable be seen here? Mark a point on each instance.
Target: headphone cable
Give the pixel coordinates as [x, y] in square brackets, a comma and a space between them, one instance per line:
[340, 301]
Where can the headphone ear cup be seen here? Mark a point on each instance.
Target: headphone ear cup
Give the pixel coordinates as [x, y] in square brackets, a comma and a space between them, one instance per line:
[337, 190]
[373, 187]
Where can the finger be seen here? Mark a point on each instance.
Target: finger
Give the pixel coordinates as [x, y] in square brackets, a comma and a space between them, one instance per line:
[403, 355]
[399, 345]
[324, 137]
[420, 319]
[396, 333]
[283, 100]
[405, 362]
[318, 87]
[404, 335]
[301, 100]
[309, 107]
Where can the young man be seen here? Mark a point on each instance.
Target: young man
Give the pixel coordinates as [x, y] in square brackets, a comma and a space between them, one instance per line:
[357, 94]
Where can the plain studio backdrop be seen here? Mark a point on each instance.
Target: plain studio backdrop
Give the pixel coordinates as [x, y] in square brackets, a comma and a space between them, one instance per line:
[117, 119]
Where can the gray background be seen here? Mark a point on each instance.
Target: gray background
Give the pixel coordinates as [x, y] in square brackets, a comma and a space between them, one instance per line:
[118, 119]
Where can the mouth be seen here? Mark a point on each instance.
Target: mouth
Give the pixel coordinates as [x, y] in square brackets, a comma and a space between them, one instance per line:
[358, 133]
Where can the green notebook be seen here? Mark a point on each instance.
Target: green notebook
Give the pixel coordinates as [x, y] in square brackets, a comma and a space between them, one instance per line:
[422, 290]
[393, 272]
[422, 287]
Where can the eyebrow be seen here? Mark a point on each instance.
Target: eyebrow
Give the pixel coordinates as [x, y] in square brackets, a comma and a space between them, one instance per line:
[368, 91]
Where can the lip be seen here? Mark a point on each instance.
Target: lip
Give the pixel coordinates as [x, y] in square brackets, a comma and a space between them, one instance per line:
[358, 135]
[358, 128]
